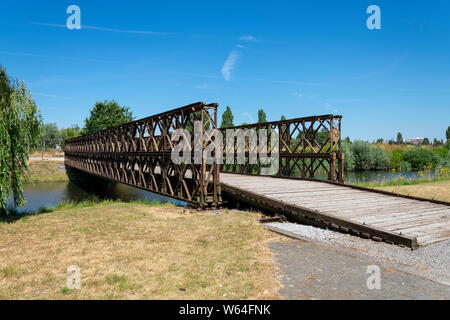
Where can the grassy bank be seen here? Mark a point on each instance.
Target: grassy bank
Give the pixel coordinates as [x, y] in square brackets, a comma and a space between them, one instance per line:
[438, 190]
[137, 251]
[403, 182]
[47, 171]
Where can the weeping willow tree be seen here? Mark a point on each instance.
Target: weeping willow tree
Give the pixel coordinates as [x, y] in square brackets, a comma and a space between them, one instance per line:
[20, 128]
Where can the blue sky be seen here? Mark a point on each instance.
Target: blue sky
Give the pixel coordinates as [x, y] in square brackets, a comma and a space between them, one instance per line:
[290, 58]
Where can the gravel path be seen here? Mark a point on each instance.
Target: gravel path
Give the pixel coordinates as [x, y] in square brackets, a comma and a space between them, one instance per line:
[431, 262]
[312, 270]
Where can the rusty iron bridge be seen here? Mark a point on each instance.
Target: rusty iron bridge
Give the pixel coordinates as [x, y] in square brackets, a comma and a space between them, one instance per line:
[139, 154]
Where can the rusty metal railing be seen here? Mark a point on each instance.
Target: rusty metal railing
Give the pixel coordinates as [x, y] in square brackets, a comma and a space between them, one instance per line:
[139, 154]
[306, 147]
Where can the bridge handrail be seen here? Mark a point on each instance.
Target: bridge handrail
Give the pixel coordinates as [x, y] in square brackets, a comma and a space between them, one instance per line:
[313, 156]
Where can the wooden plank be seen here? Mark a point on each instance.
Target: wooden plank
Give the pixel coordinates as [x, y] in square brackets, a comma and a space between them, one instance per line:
[427, 227]
[359, 212]
[406, 223]
[337, 210]
[408, 218]
[377, 211]
[406, 240]
[351, 201]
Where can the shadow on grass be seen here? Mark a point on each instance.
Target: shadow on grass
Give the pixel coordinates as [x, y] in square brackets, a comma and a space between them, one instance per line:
[13, 215]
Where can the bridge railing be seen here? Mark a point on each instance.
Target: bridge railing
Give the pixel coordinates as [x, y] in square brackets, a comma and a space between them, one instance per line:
[306, 148]
[139, 154]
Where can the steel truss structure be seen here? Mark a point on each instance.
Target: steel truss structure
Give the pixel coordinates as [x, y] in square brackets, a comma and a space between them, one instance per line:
[139, 153]
[306, 147]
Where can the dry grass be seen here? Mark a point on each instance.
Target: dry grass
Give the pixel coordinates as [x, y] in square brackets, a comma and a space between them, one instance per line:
[46, 171]
[134, 251]
[47, 154]
[434, 190]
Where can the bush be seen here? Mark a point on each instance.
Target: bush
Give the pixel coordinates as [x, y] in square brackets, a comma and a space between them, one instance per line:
[442, 152]
[361, 152]
[380, 158]
[419, 158]
[349, 158]
[369, 157]
[397, 158]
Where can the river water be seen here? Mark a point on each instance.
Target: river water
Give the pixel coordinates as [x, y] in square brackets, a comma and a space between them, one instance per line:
[50, 194]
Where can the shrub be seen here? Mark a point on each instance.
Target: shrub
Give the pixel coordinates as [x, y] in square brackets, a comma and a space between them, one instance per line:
[419, 158]
[380, 158]
[349, 158]
[397, 158]
[441, 151]
[369, 157]
[361, 152]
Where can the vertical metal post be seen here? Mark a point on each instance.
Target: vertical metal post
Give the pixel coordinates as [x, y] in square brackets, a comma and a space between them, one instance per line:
[333, 167]
[216, 166]
[341, 168]
[203, 183]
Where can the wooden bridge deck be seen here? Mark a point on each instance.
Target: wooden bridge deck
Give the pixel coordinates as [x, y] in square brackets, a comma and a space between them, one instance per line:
[401, 220]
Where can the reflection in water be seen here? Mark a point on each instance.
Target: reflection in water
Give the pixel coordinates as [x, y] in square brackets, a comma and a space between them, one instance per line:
[50, 194]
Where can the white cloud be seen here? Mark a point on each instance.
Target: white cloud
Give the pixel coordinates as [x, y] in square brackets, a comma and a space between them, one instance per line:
[104, 29]
[248, 38]
[299, 94]
[229, 64]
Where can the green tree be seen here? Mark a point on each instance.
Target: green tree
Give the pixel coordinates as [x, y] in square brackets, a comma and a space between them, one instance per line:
[227, 119]
[322, 136]
[426, 142]
[362, 156]
[397, 158]
[20, 128]
[447, 133]
[435, 142]
[189, 126]
[441, 151]
[68, 133]
[420, 158]
[349, 157]
[51, 135]
[72, 132]
[261, 116]
[106, 115]
[399, 138]
[369, 157]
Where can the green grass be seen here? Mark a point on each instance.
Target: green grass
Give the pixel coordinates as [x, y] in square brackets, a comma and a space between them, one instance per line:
[13, 215]
[9, 271]
[58, 177]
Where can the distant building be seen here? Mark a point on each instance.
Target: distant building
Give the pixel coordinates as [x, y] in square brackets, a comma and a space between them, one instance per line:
[415, 141]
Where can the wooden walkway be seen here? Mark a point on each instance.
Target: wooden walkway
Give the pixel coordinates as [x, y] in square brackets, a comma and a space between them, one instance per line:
[398, 219]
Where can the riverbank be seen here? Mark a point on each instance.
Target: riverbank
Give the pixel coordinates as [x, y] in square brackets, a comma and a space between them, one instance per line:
[138, 251]
[47, 171]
